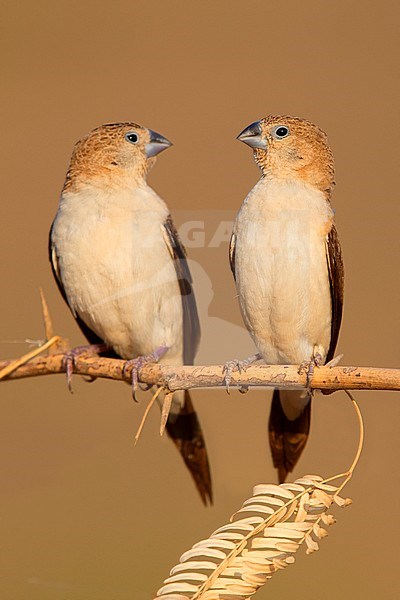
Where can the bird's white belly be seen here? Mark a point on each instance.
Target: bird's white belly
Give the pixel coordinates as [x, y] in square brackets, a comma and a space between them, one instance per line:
[121, 280]
[282, 281]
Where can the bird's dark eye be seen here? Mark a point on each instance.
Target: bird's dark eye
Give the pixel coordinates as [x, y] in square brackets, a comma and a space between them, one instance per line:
[280, 132]
[132, 137]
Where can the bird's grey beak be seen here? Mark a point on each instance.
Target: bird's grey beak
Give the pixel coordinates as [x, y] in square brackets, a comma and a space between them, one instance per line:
[157, 144]
[252, 136]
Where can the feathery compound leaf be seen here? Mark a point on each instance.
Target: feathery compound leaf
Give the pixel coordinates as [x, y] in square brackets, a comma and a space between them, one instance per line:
[244, 554]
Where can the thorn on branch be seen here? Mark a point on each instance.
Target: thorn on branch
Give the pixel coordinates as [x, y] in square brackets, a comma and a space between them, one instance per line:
[166, 407]
[48, 325]
[146, 412]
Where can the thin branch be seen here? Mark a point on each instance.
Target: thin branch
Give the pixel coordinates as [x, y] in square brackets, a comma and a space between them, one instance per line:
[13, 365]
[174, 378]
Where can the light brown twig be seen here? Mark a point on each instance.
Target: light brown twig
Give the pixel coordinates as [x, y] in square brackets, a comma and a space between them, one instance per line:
[174, 378]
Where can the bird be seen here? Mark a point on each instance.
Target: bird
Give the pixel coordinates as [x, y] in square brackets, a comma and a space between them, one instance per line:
[121, 267]
[287, 263]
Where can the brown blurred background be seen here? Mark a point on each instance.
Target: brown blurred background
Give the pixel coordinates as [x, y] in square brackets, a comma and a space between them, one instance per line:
[84, 515]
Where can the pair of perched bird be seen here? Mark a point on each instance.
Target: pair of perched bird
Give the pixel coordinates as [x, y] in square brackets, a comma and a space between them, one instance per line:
[122, 269]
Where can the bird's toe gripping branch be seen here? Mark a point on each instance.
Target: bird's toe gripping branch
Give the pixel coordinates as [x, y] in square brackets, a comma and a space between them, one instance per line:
[308, 367]
[237, 365]
[137, 363]
[72, 355]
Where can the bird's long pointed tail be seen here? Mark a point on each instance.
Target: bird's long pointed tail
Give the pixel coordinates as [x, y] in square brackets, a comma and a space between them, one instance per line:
[288, 436]
[185, 431]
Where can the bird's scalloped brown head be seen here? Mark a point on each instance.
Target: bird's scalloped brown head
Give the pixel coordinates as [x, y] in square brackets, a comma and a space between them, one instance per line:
[114, 152]
[288, 147]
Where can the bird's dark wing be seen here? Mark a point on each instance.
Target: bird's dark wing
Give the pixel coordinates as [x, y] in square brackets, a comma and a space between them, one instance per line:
[336, 282]
[87, 332]
[232, 252]
[191, 324]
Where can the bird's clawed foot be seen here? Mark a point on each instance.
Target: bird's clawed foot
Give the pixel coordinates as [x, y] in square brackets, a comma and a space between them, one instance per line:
[237, 365]
[72, 355]
[137, 363]
[308, 366]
